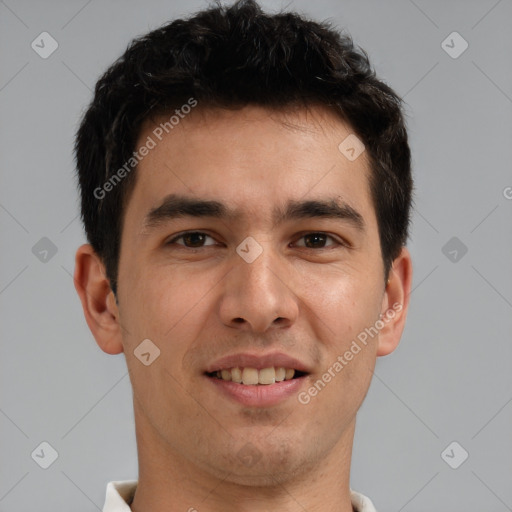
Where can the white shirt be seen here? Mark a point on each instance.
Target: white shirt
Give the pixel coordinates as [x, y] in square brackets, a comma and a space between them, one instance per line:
[120, 495]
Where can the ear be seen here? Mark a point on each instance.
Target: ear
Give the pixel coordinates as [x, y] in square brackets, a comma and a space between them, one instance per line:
[98, 300]
[395, 303]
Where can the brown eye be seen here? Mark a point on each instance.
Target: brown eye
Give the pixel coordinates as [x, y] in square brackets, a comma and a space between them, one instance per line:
[192, 239]
[316, 240]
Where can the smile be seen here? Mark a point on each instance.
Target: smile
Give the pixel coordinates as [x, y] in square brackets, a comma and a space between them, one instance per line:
[253, 377]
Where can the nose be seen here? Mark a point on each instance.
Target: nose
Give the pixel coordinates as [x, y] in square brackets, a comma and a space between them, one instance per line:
[258, 296]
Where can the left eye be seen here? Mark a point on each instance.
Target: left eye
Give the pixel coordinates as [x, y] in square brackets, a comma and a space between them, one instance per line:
[316, 240]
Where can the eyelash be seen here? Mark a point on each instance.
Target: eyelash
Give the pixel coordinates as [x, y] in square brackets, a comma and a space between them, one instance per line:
[336, 242]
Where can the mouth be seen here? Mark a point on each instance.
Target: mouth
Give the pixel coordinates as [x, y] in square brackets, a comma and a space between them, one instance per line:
[256, 377]
[257, 380]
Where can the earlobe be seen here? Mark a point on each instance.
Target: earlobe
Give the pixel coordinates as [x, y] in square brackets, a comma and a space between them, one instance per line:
[98, 301]
[395, 303]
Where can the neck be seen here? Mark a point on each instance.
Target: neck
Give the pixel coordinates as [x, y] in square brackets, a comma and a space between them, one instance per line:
[170, 482]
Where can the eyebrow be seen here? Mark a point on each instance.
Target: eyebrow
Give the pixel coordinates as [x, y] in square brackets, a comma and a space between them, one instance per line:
[177, 206]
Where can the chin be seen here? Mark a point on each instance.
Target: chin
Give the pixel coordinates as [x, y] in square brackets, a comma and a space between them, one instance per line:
[256, 465]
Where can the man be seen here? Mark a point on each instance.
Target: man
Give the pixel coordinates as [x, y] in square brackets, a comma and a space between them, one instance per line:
[246, 186]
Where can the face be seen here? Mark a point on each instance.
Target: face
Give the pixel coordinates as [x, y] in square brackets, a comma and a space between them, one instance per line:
[280, 269]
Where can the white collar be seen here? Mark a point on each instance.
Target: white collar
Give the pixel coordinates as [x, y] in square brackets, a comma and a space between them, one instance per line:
[120, 494]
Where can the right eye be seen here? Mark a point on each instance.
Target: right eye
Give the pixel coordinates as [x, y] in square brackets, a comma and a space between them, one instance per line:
[191, 239]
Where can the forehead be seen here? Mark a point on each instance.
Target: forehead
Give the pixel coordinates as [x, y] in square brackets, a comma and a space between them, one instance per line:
[253, 158]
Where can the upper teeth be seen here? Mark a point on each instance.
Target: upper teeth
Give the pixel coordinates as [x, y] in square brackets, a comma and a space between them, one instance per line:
[254, 376]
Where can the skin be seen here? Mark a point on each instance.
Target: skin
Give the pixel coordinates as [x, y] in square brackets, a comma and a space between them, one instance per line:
[200, 304]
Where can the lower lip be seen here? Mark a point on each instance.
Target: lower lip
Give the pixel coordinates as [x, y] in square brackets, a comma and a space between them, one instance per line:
[260, 395]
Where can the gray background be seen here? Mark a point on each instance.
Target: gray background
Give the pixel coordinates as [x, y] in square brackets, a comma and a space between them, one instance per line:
[449, 380]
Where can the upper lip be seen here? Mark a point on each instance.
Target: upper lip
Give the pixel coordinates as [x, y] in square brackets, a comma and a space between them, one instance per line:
[258, 361]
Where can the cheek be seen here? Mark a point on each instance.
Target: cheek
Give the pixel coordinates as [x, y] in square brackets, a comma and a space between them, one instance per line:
[166, 308]
[350, 307]
[340, 303]
[160, 300]
[174, 310]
